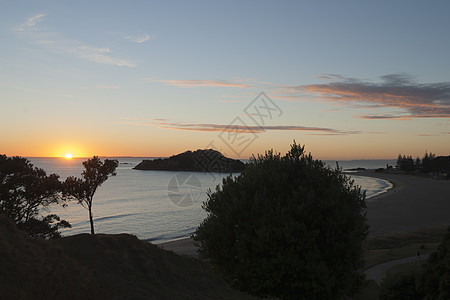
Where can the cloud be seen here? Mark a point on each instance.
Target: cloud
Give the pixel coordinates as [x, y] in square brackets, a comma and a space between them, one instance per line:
[399, 91]
[54, 42]
[98, 55]
[128, 118]
[31, 22]
[199, 83]
[330, 76]
[139, 39]
[230, 101]
[112, 87]
[239, 82]
[199, 127]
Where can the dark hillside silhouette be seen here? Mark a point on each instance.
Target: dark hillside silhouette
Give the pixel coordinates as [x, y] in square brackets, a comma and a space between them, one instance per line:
[207, 160]
[100, 267]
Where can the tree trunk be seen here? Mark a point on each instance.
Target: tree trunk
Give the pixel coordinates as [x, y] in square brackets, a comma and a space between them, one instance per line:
[91, 219]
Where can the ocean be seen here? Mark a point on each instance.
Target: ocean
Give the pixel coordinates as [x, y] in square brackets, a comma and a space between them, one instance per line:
[158, 206]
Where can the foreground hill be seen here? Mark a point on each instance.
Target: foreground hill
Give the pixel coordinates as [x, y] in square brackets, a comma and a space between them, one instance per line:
[101, 267]
[207, 160]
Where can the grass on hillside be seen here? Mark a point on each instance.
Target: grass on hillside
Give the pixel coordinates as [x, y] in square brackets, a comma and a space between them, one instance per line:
[386, 248]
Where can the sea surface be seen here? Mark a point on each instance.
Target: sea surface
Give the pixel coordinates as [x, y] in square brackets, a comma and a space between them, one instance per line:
[159, 206]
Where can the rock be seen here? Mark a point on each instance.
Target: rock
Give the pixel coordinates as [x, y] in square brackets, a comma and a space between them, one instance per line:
[207, 160]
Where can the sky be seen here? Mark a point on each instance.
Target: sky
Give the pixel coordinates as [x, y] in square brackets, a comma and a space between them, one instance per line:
[347, 79]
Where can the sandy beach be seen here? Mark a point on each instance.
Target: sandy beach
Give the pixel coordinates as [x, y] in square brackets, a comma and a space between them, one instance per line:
[413, 203]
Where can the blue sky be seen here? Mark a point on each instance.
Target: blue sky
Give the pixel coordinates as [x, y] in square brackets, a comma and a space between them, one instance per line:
[350, 79]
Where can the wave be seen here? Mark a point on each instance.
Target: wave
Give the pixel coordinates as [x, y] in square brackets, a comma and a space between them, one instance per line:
[115, 217]
[167, 237]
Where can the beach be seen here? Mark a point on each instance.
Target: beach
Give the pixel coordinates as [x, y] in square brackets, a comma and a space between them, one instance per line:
[413, 203]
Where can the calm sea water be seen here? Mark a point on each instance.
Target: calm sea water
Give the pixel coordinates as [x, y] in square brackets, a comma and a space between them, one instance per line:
[157, 205]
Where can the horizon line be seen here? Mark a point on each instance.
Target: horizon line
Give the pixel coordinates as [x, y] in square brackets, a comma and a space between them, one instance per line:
[138, 156]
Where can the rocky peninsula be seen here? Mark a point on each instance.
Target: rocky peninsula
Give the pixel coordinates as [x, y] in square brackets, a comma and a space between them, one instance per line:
[202, 160]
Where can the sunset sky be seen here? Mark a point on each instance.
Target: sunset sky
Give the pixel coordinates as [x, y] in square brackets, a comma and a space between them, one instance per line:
[349, 79]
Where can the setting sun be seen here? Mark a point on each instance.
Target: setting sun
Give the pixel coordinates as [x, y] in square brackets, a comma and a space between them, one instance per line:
[68, 156]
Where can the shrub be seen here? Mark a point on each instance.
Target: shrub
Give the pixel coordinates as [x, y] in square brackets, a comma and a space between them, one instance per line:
[434, 280]
[399, 286]
[287, 227]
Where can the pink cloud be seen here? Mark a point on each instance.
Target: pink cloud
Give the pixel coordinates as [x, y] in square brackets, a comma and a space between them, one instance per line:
[399, 91]
[234, 128]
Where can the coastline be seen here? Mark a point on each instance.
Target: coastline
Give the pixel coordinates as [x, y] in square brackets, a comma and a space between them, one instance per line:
[412, 203]
[372, 174]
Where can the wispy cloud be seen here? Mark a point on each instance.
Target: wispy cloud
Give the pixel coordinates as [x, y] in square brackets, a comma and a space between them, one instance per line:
[330, 76]
[54, 42]
[198, 83]
[111, 87]
[139, 39]
[230, 101]
[208, 127]
[98, 55]
[399, 91]
[236, 82]
[129, 118]
[31, 22]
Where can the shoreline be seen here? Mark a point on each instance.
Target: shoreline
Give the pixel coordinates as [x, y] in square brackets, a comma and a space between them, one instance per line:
[373, 174]
[412, 203]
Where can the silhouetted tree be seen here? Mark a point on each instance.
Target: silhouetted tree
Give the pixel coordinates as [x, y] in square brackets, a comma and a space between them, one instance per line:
[96, 172]
[399, 164]
[427, 162]
[24, 192]
[287, 227]
[407, 163]
[418, 163]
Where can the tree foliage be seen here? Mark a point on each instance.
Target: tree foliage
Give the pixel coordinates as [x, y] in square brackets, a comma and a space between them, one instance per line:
[407, 163]
[83, 189]
[286, 227]
[24, 192]
[430, 163]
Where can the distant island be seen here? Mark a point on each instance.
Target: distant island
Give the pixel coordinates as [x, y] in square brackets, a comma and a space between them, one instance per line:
[207, 160]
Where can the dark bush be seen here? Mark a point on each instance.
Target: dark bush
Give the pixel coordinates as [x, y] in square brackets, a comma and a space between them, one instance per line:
[434, 280]
[286, 227]
[400, 287]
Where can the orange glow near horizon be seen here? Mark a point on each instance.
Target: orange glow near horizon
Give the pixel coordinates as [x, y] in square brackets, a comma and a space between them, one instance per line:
[344, 148]
[74, 149]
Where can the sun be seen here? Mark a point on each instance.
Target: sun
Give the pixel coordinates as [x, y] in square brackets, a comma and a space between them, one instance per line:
[68, 156]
